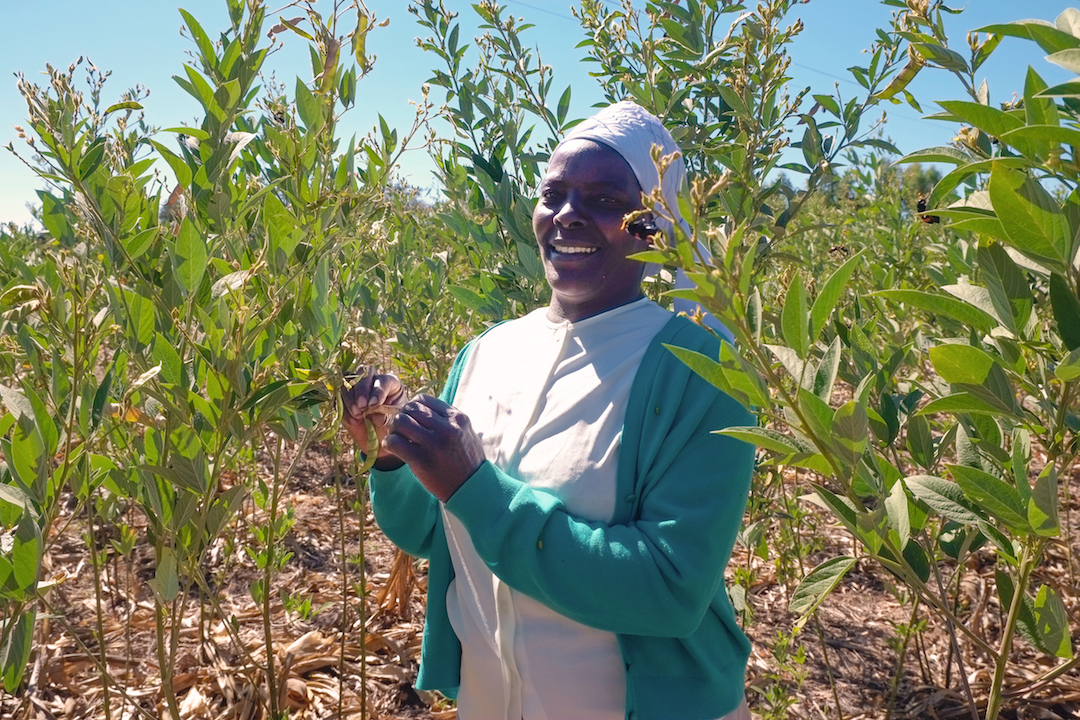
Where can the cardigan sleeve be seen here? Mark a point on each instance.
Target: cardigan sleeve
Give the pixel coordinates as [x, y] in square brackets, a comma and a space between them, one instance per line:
[655, 574]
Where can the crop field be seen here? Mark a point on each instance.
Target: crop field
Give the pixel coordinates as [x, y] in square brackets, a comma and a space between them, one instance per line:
[185, 529]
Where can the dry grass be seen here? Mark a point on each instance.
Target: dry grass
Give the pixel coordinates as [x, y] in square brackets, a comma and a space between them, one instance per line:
[219, 661]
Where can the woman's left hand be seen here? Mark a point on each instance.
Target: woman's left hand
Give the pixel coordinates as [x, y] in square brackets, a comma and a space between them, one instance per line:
[438, 443]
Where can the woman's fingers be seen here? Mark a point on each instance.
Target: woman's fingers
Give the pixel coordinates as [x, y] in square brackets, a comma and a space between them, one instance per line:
[387, 390]
[438, 443]
[369, 391]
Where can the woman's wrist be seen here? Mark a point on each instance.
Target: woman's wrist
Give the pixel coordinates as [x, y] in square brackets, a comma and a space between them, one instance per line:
[388, 464]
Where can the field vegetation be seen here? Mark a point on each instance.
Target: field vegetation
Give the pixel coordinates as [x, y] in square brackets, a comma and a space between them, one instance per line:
[184, 533]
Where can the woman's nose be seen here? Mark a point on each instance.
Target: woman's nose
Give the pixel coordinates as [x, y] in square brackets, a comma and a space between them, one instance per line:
[568, 215]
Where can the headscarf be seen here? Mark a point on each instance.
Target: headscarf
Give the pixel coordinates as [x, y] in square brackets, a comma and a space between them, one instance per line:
[632, 131]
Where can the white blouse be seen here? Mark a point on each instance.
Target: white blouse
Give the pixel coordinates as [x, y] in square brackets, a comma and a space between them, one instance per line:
[548, 400]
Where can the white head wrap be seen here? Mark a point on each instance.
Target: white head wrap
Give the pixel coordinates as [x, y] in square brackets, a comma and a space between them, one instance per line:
[632, 131]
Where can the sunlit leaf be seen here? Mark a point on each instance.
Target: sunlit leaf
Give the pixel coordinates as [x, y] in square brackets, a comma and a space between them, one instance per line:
[817, 585]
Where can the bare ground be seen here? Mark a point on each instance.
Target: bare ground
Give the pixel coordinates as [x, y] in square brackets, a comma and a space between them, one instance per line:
[847, 655]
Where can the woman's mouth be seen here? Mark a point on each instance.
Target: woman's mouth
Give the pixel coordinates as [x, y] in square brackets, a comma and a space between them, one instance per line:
[573, 250]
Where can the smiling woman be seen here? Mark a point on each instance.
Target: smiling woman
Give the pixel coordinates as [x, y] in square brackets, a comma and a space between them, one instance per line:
[576, 508]
[578, 222]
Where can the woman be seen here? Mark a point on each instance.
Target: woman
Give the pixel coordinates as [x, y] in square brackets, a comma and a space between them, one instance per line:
[576, 509]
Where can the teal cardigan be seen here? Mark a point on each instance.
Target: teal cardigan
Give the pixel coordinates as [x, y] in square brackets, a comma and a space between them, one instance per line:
[654, 575]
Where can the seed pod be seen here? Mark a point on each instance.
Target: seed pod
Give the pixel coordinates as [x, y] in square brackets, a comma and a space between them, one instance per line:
[904, 77]
[372, 445]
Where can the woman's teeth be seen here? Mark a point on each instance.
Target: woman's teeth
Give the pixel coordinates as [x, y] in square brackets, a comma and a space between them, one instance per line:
[574, 250]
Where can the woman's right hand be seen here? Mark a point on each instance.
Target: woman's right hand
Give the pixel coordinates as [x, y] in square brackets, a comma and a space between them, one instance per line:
[367, 395]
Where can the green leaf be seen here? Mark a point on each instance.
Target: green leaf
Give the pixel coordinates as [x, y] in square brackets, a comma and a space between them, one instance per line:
[766, 438]
[1046, 133]
[206, 48]
[92, 159]
[819, 416]
[791, 362]
[16, 402]
[16, 652]
[976, 296]
[990, 120]
[189, 256]
[830, 293]
[178, 164]
[1066, 308]
[1049, 38]
[753, 313]
[15, 496]
[1020, 461]
[282, 227]
[825, 377]
[993, 495]
[851, 430]
[140, 318]
[1039, 111]
[469, 298]
[25, 556]
[896, 510]
[846, 512]
[942, 305]
[137, 245]
[1009, 290]
[28, 458]
[742, 377]
[166, 582]
[1041, 633]
[1031, 217]
[920, 442]
[1068, 59]
[1042, 508]
[942, 154]
[956, 539]
[703, 365]
[563, 107]
[793, 321]
[811, 461]
[308, 107]
[997, 391]
[1052, 622]
[943, 497]
[962, 402]
[1069, 368]
[961, 363]
[817, 585]
[967, 452]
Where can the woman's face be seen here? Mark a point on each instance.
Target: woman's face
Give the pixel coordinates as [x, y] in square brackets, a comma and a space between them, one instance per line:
[578, 224]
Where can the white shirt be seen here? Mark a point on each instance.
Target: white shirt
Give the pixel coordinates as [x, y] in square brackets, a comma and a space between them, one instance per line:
[548, 400]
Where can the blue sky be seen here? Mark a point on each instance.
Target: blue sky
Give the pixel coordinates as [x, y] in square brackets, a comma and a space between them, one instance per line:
[140, 43]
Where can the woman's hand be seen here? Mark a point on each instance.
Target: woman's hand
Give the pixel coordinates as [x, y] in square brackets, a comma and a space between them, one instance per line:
[438, 443]
[378, 397]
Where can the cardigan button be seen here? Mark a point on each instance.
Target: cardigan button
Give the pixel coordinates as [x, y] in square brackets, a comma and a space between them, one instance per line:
[630, 499]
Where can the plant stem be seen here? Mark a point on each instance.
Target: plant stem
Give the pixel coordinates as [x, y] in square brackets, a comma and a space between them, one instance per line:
[993, 707]
[344, 584]
[901, 656]
[95, 563]
[268, 576]
[954, 645]
[164, 667]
